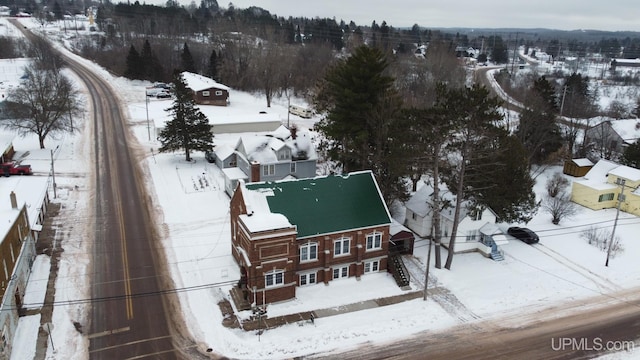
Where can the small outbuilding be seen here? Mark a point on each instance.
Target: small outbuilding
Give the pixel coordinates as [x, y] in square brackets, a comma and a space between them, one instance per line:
[577, 167]
[206, 91]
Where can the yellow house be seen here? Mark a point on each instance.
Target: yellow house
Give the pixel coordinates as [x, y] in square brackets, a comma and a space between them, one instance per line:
[600, 187]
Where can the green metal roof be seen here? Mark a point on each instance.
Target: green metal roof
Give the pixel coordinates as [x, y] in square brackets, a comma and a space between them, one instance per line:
[327, 204]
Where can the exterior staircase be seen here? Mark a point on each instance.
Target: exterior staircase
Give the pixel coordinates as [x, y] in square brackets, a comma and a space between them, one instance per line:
[496, 253]
[399, 271]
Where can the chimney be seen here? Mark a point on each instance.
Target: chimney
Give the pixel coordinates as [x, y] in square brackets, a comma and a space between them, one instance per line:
[255, 172]
[14, 201]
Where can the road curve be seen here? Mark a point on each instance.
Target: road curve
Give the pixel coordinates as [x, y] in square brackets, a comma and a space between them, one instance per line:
[133, 306]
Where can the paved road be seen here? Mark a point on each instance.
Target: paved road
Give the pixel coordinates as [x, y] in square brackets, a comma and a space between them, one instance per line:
[580, 330]
[133, 308]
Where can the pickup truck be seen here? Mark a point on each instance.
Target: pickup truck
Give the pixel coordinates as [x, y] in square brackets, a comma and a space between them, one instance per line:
[13, 168]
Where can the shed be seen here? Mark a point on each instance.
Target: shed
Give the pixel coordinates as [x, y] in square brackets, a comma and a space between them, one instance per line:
[402, 239]
[577, 167]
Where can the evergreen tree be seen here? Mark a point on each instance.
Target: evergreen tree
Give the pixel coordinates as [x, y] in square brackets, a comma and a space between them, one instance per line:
[474, 116]
[189, 129]
[499, 54]
[631, 155]
[508, 187]
[151, 67]
[212, 69]
[361, 127]
[134, 65]
[57, 11]
[187, 60]
[538, 131]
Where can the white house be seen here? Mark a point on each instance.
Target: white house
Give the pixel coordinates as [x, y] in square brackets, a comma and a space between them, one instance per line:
[477, 230]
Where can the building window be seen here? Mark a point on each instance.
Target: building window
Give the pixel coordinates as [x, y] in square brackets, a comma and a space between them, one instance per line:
[308, 252]
[206, 93]
[341, 246]
[218, 93]
[371, 266]
[374, 241]
[284, 154]
[293, 167]
[605, 197]
[274, 278]
[341, 272]
[269, 170]
[471, 235]
[307, 279]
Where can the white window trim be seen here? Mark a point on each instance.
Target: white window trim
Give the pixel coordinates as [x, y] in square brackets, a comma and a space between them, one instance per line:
[292, 167]
[373, 244]
[308, 246]
[274, 274]
[342, 240]
[340, 272]
[307, 277]
[269, 170]
[206, 93]
[218, 92]
[371, 263]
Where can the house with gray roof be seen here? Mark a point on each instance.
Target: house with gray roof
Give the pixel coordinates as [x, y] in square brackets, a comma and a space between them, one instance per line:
[608, 139]
[476, 231]
[283, 153]
[303, 232]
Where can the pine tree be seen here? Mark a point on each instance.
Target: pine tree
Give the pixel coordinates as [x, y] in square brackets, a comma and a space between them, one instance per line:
[361, 126]
[212, 70]
[189, 128]
[631, 155]
[134, 68]
[57, 11]
[187, 60]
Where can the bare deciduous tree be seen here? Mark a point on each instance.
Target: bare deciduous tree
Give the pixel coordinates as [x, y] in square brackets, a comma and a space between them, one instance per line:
[556, 184]
[43, 104]
[559, 207]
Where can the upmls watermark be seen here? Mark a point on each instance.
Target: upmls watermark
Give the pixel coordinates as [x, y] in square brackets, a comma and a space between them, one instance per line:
[590, 344]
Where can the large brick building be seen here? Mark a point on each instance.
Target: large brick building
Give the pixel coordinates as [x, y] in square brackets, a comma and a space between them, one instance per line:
[303, 232]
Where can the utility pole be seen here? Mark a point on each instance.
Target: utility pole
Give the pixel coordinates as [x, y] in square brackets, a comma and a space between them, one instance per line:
[426, 273]
[53, 173]
[146, 101]
[615, 223]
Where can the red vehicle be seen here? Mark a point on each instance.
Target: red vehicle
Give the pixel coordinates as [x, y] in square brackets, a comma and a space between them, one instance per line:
[13, 168]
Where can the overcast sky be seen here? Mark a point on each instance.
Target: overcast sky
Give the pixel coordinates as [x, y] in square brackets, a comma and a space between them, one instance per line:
[552, 14]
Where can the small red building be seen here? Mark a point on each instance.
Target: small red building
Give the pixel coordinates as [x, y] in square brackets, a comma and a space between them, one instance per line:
[292, 233]
[206, 91]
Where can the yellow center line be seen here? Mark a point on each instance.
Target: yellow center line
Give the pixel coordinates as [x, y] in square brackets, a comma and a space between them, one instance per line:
[125, 265]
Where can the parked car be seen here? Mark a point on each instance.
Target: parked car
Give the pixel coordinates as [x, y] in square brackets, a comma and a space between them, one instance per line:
[523, 234]
[163, 94]
[13, 168]
[210, 156]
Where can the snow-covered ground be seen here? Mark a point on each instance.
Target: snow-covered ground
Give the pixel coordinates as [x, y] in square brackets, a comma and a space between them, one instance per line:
[193, 210]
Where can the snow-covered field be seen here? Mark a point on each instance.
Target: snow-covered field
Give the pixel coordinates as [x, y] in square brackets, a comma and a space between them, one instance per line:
[195, 219]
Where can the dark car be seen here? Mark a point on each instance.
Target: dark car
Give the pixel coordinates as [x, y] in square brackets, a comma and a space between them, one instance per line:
[523, 234]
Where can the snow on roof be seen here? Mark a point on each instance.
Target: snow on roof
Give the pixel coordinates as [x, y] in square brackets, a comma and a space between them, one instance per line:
[224, 151]
[29, 190]
[582, 162]
[259, 216]
[234, 173]
[421, 203]
[628, 129]
[198, 82]
[263, 148]
[6, 140]
[599, 171]
[258, 222]
[397, 228]
[626, 172]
